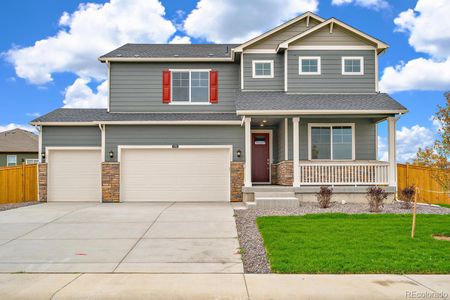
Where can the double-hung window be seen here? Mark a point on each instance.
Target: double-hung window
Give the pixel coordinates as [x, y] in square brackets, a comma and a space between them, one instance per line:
[353, 65]
[190, 86]
[11, 160]
[309, 65]
[331, 141]
[262, 68]
[31, 161]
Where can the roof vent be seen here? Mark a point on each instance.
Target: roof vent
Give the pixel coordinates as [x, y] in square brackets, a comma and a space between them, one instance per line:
[176, 55]
[210, 54]
[119, 55]
[136, 55]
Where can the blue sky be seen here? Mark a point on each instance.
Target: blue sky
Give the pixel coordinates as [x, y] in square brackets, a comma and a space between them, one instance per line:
[37, 78]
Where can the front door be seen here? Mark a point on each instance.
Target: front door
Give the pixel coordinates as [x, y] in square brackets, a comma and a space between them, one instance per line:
[260, 157]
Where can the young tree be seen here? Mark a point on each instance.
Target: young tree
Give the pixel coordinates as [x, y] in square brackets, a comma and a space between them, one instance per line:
[438, 155]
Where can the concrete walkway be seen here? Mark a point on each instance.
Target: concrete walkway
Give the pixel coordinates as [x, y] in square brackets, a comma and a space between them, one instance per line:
[222, 286]
[121, 237]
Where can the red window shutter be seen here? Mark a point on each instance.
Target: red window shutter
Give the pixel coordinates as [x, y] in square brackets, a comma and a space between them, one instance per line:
[166, 86]
[213, 86]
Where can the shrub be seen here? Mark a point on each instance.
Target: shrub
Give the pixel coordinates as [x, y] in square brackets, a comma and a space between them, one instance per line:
[407, 195]
[376, 196]
[324, 196]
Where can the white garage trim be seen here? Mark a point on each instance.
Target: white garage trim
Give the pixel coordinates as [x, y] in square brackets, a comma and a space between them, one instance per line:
[156, 147]
[48, 149]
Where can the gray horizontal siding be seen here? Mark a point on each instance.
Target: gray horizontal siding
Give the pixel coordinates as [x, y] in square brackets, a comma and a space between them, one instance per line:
[137, 87]
[264, 84]
[71, 136]
[331, 79]
[180, 135]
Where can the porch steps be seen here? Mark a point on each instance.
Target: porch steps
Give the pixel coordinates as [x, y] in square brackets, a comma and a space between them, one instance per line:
[269, 200]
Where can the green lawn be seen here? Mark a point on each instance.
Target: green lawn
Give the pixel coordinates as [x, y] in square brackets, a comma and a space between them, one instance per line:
[445, 205]
[341, 243]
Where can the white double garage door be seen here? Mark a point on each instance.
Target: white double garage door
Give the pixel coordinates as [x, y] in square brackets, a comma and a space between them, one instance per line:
[153, 173]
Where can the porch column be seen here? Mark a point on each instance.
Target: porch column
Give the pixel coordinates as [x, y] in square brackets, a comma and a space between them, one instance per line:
[391, 152]
[248, 153]
[296, 157]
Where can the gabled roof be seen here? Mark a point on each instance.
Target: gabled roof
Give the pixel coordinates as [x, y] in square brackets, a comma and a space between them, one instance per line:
[278, 28]
[153, 52]
[380, 44]
[18, 140]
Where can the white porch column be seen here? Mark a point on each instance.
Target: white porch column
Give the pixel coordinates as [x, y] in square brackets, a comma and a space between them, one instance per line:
[391, 152]
[296, 156]
[248, 153]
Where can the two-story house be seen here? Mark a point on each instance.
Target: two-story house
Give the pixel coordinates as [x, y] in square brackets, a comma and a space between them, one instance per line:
[288, 111]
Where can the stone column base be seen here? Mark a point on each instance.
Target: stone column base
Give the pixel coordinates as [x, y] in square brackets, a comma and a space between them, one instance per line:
[110, 182]
[42, 182]
[283, 173]
[236, 181]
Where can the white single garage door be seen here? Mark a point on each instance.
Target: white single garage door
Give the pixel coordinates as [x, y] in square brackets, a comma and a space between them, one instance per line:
[183, 174]
[74, 175]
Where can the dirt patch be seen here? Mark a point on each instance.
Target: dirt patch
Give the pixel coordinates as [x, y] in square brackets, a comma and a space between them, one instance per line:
[441, 237]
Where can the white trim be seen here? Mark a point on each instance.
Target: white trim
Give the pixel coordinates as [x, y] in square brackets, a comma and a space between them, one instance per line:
[109, 87]
[376, 72]
[286, 139]
[322, 47]
[242, 71]
[300, 64]
[120, 148]
[376, 141]
[270, 132]
[40, 144]
[392, 151]
[317, 112]
[57, 148]
[278, 28]
[248, 152]
[8, 164]
[103, 130]
[331, 125]
[94, 123]
[169, 59]
[380, 44]
[361, 65]
[260, 51]
[254, 62]
[296, 151]
[286, 55]
[179, 102]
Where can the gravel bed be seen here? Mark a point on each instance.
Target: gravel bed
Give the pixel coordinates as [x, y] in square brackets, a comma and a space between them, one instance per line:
[252, 248]
[16, 205]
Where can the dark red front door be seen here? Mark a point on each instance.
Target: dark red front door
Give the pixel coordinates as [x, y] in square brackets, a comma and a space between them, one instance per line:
[260, 157]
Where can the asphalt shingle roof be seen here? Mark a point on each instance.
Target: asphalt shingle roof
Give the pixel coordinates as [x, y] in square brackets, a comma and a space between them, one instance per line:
[18, 140]
[100, 115]
[171, 50]
[282, 101]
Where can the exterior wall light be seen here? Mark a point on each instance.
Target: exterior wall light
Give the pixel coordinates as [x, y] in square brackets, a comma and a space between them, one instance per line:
[111, 154]
[238, 153]
[43, 156]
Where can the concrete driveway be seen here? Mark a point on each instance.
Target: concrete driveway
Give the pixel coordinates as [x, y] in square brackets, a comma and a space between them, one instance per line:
[125, 237]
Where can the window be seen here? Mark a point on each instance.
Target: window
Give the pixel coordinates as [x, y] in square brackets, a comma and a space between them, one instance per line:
[331, 141]
[11, 160]
[263, 69]
[352, 66]
[190, 87]
[309, 65]
[31, 161]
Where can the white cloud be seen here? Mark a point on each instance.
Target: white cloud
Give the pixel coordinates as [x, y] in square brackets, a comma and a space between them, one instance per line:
[11, 126]
[80, 95]
[426, 26]
[180, 40]
[33, 114]
[84, 35]
[373, 4]
[225, 21]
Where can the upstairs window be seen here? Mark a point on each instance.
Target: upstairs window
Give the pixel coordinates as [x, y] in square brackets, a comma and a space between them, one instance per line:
[331, 142]
[309, 65]
[263, 69]
[353, 65]
[190, 87]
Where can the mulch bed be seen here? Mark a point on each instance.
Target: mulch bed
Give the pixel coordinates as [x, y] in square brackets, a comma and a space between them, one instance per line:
[252, 247]
[16, 205]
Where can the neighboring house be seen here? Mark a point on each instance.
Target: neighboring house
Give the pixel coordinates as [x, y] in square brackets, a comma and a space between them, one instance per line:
[288, 111]
[18, 146]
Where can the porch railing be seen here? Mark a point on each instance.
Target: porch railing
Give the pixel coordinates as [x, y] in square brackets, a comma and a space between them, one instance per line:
[344, 173]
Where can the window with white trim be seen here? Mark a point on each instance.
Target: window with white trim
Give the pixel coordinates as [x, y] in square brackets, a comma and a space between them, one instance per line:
[31, 161]
[262, 68]
[11, 160]
[309, 65]
[331, 141]
[191, 86]
[353, 65]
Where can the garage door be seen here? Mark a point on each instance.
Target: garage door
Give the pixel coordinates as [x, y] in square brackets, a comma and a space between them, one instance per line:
[74, 175]
[175, 174]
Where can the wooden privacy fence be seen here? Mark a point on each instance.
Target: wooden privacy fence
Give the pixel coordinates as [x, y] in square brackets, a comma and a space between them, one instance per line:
[18, 184]
[422, 177]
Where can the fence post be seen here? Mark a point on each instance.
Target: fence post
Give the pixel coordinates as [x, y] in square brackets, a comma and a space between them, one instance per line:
[23, 182]
[413, 229]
